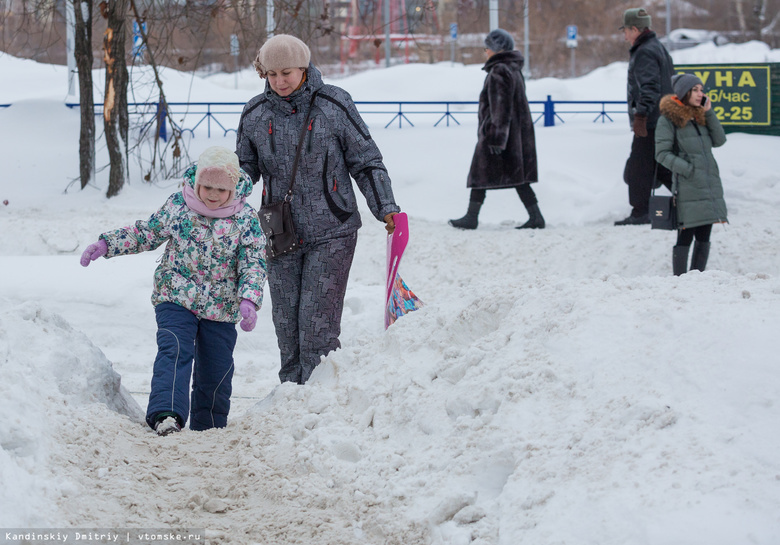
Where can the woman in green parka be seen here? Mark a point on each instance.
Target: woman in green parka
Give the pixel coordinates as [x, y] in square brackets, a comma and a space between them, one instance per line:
[688, 119]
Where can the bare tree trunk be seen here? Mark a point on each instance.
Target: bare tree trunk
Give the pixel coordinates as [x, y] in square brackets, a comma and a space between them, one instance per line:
[741, 17]
[83, 53]
[759, 15]
[115, 115]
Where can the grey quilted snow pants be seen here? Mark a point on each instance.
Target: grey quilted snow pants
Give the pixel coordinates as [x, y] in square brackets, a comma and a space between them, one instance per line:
[307, 298]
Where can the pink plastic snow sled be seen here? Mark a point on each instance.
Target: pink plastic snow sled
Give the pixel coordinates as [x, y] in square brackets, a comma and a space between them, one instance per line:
[399, 299]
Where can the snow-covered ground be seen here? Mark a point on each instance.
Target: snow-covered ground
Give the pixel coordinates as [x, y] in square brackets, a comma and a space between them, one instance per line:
[559, 387]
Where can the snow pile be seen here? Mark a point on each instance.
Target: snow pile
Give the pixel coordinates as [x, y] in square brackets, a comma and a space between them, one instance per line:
[52, 372]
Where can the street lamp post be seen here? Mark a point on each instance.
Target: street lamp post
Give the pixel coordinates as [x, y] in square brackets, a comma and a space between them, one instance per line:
[269, 18]
[388, 48]
[527, 64]
[70, 45]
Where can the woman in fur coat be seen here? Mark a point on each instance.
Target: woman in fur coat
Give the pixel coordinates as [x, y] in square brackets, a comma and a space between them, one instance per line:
[688, 119]
[505, 155]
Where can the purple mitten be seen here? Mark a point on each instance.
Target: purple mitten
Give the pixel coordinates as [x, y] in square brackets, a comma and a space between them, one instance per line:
[94, 251]
[249, 314]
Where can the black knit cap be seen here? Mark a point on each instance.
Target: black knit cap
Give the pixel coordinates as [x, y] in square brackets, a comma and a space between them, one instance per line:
[499, 40]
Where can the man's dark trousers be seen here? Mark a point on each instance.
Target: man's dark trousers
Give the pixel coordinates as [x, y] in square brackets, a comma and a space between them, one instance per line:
[640, 173]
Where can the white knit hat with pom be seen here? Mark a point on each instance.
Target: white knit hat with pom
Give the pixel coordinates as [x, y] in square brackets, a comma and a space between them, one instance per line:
[218, 167]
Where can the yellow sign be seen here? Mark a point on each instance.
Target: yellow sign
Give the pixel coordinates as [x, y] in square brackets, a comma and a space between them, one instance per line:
[740, 93]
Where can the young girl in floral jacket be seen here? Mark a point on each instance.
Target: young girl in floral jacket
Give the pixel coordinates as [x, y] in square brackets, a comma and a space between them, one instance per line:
[210, 277]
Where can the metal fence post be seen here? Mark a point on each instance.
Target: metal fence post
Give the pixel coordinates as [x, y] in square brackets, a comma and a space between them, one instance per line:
[161, 118]
[549, 112]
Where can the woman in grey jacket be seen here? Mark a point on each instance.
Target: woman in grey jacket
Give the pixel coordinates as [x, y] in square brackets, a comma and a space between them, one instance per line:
[684, 138]
[308, 286]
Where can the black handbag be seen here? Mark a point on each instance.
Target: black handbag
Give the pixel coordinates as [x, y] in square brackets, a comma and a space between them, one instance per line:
[663, 212]
[277, 225]
[276, 217]
[663, 208]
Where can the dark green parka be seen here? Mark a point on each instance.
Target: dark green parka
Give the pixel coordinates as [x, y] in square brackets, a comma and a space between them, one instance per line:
[696, 179]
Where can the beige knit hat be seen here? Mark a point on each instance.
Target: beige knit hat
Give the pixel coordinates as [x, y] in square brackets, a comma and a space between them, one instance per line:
[218, 167]
[280, 52]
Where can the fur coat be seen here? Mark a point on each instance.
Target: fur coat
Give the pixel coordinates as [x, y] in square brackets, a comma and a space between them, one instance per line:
[504, 123]
[696, 178]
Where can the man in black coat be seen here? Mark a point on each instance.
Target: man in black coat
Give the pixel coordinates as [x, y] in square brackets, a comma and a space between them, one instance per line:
[650, 71]
[505, 155]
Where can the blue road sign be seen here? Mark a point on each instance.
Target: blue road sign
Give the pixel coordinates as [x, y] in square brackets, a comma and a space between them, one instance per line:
[571, 36]
[454, 31]
[139, 47]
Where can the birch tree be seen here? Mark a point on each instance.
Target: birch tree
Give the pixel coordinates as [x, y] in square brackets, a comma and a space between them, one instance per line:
[115, 116]
[759, 17]
[83, 54]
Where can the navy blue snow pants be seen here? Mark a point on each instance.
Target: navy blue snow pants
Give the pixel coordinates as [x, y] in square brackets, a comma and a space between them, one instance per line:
[181, 338]
[307, 298]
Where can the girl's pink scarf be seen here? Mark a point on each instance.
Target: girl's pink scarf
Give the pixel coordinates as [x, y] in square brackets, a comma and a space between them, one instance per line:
[197, 205]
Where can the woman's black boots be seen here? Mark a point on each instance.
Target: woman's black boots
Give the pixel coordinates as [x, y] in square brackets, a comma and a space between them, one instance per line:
[469, 221]
[701, 251]
[535, 219]
[680, 260]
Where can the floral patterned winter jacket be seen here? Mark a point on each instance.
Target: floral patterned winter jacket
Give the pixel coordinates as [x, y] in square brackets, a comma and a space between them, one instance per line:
[209, 264]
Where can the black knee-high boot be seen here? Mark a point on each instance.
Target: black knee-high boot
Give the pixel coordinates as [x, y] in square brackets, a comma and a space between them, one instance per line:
[701, 251]
[680, 260]
[535, 219]
[469, 221]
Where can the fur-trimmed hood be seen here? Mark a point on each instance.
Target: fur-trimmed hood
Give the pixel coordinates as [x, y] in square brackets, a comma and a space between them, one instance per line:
[679, 113]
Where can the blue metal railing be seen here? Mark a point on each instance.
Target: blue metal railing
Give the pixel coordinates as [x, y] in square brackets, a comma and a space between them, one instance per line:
[551, 113]
[398, 112]
[541, 109]
[190, 116]
[200, 112]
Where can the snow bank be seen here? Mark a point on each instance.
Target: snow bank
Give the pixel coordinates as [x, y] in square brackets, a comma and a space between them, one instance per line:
[505, 410]
[52, 372]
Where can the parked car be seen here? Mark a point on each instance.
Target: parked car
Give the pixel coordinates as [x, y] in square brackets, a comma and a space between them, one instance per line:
[680, 38]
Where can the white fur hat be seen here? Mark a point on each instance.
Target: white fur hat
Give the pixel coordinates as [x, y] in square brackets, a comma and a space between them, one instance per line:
[280, 52]
[218, 167]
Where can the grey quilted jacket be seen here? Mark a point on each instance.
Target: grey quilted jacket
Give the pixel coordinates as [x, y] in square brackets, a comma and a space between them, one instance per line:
[337, 145]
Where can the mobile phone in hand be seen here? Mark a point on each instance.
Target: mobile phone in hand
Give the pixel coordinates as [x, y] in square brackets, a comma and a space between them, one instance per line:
[704, 100]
